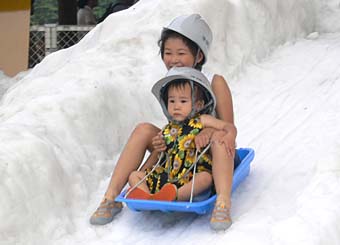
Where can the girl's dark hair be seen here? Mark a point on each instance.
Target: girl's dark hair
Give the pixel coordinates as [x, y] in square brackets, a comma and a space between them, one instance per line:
[193, 47]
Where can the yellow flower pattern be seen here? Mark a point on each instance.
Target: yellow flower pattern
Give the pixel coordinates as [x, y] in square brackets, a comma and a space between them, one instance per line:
[171, 132]
[205, 158]
[190, 157]
[186, 142]
[180, 142]
[184, 177]
[195, 123]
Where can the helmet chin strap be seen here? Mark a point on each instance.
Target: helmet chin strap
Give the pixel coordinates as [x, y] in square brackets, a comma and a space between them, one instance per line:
[196, 57]
[193, 100]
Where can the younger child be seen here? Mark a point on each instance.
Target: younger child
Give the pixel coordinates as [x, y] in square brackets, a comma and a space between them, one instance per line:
[188, 102]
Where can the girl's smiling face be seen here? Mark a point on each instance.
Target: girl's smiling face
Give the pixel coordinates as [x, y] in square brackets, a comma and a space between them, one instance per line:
[177, 53]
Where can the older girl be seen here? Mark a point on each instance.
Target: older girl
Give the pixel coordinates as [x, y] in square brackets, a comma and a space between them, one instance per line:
[184, 42]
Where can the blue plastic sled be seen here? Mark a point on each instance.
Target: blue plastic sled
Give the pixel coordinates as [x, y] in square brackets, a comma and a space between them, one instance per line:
[199, 207]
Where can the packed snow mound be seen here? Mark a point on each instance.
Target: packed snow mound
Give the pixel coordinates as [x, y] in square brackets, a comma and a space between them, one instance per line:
[63, 124]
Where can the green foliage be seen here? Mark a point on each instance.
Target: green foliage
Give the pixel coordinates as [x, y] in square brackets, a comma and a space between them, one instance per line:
[46, 11]
[102, 5]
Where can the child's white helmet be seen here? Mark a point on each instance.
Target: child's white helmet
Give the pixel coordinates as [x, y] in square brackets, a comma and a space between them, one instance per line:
[196, 78]
[195, 28]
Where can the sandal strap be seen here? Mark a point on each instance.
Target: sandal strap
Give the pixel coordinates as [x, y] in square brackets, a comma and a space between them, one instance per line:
[106, 205]
[106, 212]
[220, 218]
[221, 212]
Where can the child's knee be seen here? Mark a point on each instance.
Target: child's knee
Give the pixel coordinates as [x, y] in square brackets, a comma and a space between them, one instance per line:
[206, 177]
[146, 128]
[143, 126]
[135, 175]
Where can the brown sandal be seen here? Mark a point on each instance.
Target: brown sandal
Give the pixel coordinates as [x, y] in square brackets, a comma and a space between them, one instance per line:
[106, 212]
[220, 218]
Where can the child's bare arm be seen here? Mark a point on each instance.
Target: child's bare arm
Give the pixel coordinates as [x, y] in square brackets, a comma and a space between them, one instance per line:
[209, 121]
[226, 132]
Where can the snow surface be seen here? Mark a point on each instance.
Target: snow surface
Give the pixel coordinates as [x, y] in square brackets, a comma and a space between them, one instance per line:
[64, 123]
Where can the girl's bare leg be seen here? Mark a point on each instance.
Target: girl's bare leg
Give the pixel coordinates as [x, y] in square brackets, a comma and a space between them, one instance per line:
[151, 161]
[203, 181]
[135, 177]
[222, 170]
[131, 157]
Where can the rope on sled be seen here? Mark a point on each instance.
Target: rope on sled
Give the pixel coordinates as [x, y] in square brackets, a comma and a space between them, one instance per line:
[194, 165]
[147, 175]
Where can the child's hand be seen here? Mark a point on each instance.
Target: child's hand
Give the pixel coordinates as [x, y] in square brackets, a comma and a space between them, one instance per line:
[158, 142]
[203, 138]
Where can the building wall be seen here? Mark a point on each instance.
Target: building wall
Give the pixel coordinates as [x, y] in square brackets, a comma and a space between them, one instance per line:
[14, 35]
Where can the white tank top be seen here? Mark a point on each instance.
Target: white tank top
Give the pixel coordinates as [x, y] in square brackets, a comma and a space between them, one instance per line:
[209, 75]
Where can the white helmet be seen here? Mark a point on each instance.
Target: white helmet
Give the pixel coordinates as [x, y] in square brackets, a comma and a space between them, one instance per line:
[195, 28]
[196, 78]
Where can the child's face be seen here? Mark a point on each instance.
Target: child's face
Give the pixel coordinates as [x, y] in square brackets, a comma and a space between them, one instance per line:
[179, 102]
[177, 53]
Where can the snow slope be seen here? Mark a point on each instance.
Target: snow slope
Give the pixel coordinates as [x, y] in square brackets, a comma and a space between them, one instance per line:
[63, 125]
